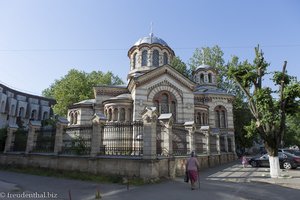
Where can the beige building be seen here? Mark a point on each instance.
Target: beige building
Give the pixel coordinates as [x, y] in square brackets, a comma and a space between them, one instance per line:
[152, 82]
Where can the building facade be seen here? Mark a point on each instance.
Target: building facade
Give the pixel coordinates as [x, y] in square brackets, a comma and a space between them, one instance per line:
[153, 82]
[18, 108]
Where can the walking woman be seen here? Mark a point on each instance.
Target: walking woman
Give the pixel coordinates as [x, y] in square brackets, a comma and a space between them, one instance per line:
[192, 167]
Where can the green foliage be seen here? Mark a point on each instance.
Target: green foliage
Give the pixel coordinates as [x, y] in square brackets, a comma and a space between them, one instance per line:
[180, 66]
[292, 136]
[77, 86]
[268, 112]
[79, 146]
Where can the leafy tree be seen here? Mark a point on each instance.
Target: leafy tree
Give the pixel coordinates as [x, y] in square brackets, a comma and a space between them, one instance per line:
[180, 66]
[77, 86]
[210, 56]
[269, 113]
[292, 136]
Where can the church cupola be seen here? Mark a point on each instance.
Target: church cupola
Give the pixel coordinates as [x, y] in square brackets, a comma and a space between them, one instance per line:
[148, 53]
[205, 75]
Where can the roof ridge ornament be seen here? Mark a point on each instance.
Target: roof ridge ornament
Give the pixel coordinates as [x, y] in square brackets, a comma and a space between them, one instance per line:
[151, 31]
[203, 60]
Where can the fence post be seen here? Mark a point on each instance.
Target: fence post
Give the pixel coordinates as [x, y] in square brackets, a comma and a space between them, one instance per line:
[98, 120]
[206, 132]
[61, 124]
[190, 137]
[33, 126]
[149, 116]
[10, 138]
[166, 120]
[218, 143]
[226, 143]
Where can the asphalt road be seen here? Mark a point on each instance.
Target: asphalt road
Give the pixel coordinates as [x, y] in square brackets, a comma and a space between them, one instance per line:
[210, 188]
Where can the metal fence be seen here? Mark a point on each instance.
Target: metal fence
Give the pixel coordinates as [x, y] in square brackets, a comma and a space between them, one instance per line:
[213, 144]
[159, 140]
[20, 141]
[45, 140]
[179, 142]
[229, 144]
[123, 139]
[77, 140]
[222, 144]
[200, 143]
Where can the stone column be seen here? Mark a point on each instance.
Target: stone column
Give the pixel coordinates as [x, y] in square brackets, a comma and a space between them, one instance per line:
[33, 126]
[98, 120]
[166, 121]
[226, 143]
[113, 114]
[119, 114]
[149, 116]
[233, 144]
[190, 137]
[61, 124]
[206, 131]
[10, 138]
[218, 144]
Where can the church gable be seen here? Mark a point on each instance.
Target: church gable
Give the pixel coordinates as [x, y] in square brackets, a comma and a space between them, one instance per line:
[159, 72]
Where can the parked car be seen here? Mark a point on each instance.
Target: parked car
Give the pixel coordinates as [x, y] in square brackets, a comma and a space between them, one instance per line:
[286, 161]
[291, 151]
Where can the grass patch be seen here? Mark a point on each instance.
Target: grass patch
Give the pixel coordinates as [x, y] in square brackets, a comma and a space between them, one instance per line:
[76, 175]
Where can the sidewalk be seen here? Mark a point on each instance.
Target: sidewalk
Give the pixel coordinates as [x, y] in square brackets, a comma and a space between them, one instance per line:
[236, 173]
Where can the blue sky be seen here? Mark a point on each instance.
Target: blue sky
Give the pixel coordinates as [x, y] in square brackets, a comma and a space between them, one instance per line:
[41, 40]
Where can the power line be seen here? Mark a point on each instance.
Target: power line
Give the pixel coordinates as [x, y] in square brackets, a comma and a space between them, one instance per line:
[125, 49]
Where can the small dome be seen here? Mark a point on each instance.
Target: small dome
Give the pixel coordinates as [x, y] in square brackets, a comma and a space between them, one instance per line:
[203, 66]
[151, 39]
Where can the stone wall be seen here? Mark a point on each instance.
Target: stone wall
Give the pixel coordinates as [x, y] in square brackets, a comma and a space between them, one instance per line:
[146, 169]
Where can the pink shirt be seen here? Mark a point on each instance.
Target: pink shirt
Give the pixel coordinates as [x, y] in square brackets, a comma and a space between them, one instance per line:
[192, 164]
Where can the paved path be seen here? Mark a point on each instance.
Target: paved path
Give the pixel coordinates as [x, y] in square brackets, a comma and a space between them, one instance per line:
[229, 181]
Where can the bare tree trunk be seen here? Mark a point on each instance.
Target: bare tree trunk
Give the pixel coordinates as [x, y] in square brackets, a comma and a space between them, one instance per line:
[274, 166]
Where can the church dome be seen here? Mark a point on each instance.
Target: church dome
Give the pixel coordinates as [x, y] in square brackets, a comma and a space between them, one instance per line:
[151, 39]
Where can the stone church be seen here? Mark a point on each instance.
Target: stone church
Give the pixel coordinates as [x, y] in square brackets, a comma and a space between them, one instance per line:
[152, 82]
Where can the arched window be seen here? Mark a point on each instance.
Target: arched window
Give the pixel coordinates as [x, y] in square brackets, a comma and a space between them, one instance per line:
[155, 58]
[33, 114]
[198, 120]
[201, 78]
[173, 109]
[165, 58]
[156, 104]
[122, 114]
[45, 115]
[134, 60]
[144, 58]
[109, 115]
[21, 111]
[220, 115]
[209, 78]
[75, 118]
[165, 102]
[71, 118]
[115, 114]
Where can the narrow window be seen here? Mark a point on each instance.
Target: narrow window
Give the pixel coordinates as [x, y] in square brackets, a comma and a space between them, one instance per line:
[134, 61]
[164, 103]
[209, 78]
[144, 58]
[165, 58]
[201, 78]
[155, 59]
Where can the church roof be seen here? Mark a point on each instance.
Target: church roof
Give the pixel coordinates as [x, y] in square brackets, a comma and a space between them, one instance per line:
[122, 96]
[204, 67]
[87, 101]
[151, 39]
[211, 90]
